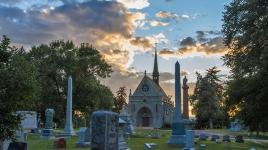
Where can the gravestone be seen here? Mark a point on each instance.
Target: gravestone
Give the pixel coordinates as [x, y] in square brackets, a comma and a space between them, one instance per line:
[203, 136]
[189, 139]
[28, 119]
[20, 135]
[239, 139]
[155, 134]
[17, 146]
[59, 143]
[83, 137]
[215, 137]
[48, 131]
[6, 144]
[128, 129]
[235, 126]
[148, 146]
[104, 130]
[121, 141]
[226, 138]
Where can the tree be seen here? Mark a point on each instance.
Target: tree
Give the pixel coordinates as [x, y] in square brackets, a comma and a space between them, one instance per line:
[245, 31]
[19, 88]
[207, 99]
[120, 99]
[58, 60]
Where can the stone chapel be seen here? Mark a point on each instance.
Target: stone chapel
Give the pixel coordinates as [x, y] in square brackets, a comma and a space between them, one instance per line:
[149, 105]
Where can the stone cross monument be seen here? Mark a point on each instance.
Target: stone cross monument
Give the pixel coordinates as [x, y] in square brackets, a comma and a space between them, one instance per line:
[68, 129]
[178, 130]
[185, 88]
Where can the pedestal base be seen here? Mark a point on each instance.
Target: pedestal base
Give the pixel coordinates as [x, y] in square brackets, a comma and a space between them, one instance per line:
[47, 133]
[69, 132]
[83, 144]
[177, 140]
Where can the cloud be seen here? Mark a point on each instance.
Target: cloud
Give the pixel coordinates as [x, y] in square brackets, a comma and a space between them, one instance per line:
[141, 41]
[135, 4]
[156, 23]
[202, 35]
[189, 41]
[169, 16]
[212, 46]
[207, 43]
[108, 25]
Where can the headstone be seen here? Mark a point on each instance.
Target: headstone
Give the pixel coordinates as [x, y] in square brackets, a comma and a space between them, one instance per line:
[6, 144]
[226, 138]
[215, 137]
[104, 130]
[59, 143]
[148, 146]
[128, 129]
[155, 134]
[121, 141]
[203, 136]
[235, 126]
[83, 137]
[68, 129]
[48, 131]
[239, 139]
[20, 135]
[28, 119]
[17, 146]
[189, 139]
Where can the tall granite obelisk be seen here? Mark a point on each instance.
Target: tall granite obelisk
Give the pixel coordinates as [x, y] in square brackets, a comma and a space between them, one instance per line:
[178, 131]
[68, 129]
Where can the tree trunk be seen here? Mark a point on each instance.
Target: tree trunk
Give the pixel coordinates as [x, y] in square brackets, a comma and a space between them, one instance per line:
[210, 123]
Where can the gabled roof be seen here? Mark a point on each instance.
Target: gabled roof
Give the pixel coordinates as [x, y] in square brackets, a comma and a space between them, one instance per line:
[154, 89]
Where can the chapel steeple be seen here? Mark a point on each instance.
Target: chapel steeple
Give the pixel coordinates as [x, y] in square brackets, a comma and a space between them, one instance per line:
[155, 71]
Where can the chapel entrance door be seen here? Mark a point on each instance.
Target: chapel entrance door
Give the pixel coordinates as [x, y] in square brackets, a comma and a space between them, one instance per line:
[145, 121]
[145, 117]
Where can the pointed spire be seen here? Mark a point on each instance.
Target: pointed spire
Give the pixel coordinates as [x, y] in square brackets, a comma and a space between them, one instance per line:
[155, 71]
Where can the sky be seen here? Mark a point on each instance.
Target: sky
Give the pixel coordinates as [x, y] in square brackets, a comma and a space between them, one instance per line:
[126, 32]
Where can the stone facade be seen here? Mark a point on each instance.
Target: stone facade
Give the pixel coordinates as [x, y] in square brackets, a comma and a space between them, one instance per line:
[149, 106]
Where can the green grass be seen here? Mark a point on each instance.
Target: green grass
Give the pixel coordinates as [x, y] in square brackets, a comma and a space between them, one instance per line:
[136, 142]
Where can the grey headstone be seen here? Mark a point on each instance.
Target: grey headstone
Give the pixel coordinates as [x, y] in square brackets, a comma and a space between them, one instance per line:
[104, 127]
[203, 136]
[121, 141]
[226, 138]
[28, 119]
[83, 137]
[215, 137]
[189, 139]
[6, 144]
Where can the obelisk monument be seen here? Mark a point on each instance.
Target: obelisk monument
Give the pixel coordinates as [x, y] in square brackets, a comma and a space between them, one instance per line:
[178, 131]
[68, 129]
[185, 88]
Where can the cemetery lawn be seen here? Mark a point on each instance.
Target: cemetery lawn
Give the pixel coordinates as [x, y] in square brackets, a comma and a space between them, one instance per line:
[136, 142]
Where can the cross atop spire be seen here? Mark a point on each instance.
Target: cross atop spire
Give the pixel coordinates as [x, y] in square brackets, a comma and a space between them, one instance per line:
[155, 71]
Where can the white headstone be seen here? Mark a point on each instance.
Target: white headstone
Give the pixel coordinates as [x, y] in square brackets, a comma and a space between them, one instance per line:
[28, 120]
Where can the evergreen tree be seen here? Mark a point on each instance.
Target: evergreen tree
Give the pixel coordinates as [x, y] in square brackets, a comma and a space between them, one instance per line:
[206, 100]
